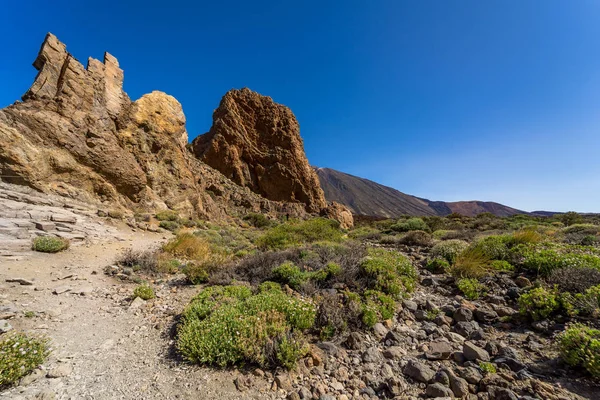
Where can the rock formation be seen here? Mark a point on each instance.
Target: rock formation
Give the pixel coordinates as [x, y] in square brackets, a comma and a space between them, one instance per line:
[256, 143]
[77, 134]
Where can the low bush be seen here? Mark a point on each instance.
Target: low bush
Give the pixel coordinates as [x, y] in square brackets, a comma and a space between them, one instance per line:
[49, 244]
[579, 346]
[471, 288]
[365, 233]
[494, 247]
[294, 233]
[449, 249]
[471, 263]
[257, 220]
[417, 238]
[167, 215]
[389, 272]
[19, 355]
[545, 258]
[145, 260]
[574, 280]
[539, 303]
[226, 325]
[144, 292]
[411, 224]
[169, 225]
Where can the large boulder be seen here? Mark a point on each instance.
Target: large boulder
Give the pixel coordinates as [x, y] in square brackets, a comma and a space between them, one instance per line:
[256, 143]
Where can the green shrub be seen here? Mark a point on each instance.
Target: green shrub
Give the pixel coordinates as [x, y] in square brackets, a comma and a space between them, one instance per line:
[471, 263]
[229, 325]
[501, 265]
[49, 244]
[290, 274]
[167, 215]
[449, 249]
[487, 368]
[411, 224]
[19, 355]
[494, 247]
[169, 225]
[579, 346]
[196, 273]
[257, 220]
[144, 292]
[294, 233]
[471, 288]
[545, 258]
[364, 232]
[438, 265]
[539, 303]
[389, 272]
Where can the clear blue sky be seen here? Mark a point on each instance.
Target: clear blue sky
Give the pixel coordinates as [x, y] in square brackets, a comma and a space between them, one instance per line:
[449, 100]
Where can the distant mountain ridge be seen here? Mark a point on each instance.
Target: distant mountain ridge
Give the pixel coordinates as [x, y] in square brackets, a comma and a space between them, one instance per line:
[365, 197]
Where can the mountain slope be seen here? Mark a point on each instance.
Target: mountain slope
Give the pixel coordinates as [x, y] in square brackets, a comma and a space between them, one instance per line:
[365, 197]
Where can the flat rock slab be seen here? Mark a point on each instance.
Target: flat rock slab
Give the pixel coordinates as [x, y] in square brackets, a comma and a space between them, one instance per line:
[5, 326]
[63, 218]
[45, 226]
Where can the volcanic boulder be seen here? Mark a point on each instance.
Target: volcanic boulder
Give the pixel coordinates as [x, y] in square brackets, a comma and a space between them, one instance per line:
[256, 143]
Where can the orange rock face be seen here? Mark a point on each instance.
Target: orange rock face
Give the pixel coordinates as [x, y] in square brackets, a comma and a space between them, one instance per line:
[256, 143]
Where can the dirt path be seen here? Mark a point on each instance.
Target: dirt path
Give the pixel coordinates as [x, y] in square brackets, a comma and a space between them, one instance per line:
[103, 348]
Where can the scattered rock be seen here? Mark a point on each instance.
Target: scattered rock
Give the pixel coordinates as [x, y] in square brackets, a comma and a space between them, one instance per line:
[5, 326]
[439, 351]
[60, 371]
[419, 371]
[473, 352]
[438, 390]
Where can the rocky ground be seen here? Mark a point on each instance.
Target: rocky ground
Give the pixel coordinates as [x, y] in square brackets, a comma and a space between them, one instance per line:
[107, 345]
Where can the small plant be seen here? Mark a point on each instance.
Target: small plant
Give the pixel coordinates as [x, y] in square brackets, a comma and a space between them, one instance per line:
[449, 249]
[501, 265]
[438, 265]
[29, 314]
[144, 292]
[539, 303]
[290, 274]
[145, 260]
[19, 355]
[50, 244]
[471, 288]
[579, 346]
[487, 368]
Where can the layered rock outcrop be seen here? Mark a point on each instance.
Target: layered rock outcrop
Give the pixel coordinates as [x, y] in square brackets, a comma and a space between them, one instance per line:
[256, 143]
[77, 134]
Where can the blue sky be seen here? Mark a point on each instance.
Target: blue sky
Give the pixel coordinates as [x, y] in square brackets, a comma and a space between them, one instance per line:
[449, 100]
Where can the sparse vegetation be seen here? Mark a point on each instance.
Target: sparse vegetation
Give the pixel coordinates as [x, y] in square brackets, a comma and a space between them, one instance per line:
[294, 233]
[144, 292]
[50, 244]
[580, 346]
[226, 325]
[19, 355]
[471, 288]
[449, 249]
